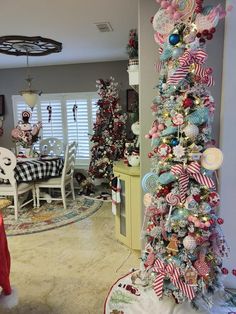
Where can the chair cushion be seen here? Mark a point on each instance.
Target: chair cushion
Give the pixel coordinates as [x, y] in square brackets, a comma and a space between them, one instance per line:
[20, 187]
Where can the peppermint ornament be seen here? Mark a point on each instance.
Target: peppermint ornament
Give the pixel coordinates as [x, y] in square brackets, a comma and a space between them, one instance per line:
[172, 199]
[202, 267]
[178, 119]
[164, 150]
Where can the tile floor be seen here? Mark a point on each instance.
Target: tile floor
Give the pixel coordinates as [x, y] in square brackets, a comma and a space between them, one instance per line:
[69, 270]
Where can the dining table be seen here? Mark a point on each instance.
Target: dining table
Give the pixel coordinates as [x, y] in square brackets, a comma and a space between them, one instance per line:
[33, 169]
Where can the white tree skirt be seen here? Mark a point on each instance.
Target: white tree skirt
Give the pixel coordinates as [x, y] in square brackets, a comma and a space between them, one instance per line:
[121, 301]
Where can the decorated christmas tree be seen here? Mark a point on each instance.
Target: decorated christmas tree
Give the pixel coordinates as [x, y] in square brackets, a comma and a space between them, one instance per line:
[109, 131]
[184, 242]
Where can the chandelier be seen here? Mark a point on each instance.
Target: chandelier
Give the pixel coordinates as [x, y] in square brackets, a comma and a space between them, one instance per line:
[29, 46]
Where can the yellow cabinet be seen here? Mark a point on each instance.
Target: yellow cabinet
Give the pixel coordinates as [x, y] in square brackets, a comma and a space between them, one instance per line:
[128, 214]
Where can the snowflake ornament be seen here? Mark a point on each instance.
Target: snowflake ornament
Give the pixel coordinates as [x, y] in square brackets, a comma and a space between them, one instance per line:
[179, 151]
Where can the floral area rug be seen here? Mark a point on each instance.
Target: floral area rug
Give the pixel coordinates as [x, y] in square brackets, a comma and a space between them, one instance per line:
[49, 216]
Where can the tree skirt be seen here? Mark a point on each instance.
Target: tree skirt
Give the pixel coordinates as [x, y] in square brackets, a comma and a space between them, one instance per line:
[125, 298]
[49, 216]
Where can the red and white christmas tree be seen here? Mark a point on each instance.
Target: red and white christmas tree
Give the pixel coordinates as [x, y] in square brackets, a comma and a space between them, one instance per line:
[109, 131]
[184, 242]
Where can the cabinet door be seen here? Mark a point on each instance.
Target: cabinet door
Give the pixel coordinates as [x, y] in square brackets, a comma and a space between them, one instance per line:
[123, 215]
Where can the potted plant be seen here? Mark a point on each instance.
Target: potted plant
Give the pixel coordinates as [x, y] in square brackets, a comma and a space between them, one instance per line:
[132, 47]
[132, 51]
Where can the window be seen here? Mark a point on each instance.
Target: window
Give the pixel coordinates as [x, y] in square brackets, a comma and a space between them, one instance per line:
[64, 124]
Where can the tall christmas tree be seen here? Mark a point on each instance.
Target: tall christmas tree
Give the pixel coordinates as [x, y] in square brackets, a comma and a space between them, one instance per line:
[109, 131]
[184, 243]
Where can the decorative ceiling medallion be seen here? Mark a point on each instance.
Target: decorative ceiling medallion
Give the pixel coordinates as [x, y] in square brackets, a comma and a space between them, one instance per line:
[31, 46]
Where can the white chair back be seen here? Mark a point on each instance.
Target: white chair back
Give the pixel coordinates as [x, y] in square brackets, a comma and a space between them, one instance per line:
[51, 146]
[69, 162]
[7, 165]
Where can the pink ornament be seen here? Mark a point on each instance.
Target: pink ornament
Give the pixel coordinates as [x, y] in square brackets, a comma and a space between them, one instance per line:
[178, 119]
[161, 127]
[172, 199]
[202, 267]
[156, 135]
[230, 8]
[177, 16]
[164, 4]
[158, 1]
[207, 224]
[148, 136]
[197, 223]
[170, 9]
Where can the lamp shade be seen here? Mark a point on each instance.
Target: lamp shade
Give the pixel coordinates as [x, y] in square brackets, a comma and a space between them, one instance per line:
[30, 98]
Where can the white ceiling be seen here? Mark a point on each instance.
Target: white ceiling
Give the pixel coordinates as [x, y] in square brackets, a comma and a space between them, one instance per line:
[70, 22]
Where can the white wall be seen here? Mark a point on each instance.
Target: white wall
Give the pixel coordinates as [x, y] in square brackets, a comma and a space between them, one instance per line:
[227, 138]
[148, 56]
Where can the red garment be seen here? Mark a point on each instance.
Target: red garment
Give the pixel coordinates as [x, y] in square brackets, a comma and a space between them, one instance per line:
[5, 261]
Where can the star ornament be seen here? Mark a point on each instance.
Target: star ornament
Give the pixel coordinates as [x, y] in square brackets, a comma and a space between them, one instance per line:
[179, 151]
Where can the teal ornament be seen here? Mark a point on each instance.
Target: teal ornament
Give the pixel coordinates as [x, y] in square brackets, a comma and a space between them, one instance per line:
[192, 257]
[207, 9]
[166, 53]
[166, 177]
[198, 117]
[155, 142]
[177, 52]
[170, 130]
[174, 142]
[174, 39]
[149, 182]
[206, 207]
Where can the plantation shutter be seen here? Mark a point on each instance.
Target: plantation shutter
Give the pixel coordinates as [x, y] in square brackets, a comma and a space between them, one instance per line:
[63, 125]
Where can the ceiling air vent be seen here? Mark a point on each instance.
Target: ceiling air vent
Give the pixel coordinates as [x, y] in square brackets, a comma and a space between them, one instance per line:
[104, 27]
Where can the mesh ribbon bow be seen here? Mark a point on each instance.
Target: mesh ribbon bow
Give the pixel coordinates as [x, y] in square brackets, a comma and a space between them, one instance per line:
[163, 270]
[192, 170]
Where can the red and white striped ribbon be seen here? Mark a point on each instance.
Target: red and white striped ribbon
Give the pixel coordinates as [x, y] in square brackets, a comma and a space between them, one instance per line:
[192, 170]
[198, 56]
[173, 274]
[179, 75]
[204, 74]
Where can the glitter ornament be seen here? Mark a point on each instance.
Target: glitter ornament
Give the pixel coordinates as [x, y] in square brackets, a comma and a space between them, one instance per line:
[191, 131]
[179, 151]
[174, 39]
[189, 243]
[174, 142]
[187, 103]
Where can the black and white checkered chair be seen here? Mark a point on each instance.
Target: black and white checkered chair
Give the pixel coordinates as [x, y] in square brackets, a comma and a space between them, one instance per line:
[12, 188]
[65, 180]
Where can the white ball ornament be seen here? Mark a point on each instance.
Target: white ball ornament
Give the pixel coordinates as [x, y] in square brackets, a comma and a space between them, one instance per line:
[191, 131]
[189, 243]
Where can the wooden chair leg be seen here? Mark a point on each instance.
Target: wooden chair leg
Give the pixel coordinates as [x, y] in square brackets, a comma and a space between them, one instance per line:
[34, 196]
[72, 188]
[16, 205]
[37, 190]
[63, 194]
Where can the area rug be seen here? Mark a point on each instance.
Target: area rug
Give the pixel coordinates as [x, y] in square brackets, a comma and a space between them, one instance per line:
[49, 216]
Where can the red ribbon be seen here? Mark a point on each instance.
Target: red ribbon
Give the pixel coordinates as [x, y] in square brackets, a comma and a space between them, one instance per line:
[173, 273]
[192, 170]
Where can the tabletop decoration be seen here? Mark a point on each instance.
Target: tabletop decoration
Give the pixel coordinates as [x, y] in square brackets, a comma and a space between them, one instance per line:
[24, 134]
